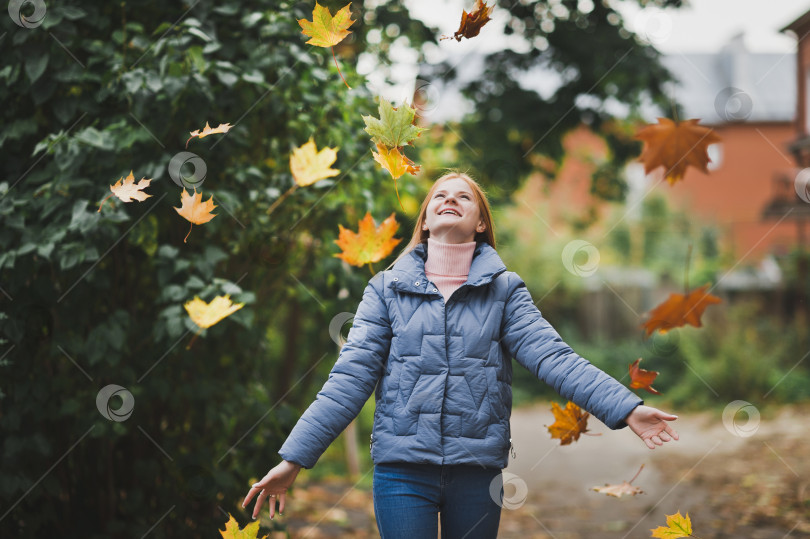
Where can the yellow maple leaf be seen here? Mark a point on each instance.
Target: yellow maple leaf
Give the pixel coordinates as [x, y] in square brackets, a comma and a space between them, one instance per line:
[370, 243]
[327, 31]
[308, 165]
[206, 315]
[208, 130]
[677, 526]
[395, 162]
[127, 190]
[232, 531]
[194, 209]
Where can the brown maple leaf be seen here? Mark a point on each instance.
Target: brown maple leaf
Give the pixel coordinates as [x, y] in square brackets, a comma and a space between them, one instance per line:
[208, 130]
[676, 146]
[472, 22]
[127, 190]
[370, 243]
[642, 379]
[569, 422]
[679, 310]
[625, 488]
[195, 210]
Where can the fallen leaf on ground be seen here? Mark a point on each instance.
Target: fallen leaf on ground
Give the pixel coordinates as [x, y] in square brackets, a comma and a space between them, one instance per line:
[232, 531]
[625, 488]
[677, 526]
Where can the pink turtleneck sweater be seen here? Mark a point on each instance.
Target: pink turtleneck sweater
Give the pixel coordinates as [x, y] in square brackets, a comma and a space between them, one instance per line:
[448, 264]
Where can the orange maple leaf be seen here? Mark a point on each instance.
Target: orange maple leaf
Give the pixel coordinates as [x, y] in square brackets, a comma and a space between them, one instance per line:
[569, 422]
[208, 130]
[642, 379]
[676, 146]
[679, 310]
[472, 22]
[677, 526]
[327, 31]
[626, 487]
[195, 210]
[370, 243]
[127, 190]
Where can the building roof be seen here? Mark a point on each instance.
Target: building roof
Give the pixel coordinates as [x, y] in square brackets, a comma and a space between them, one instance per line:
[735, 84]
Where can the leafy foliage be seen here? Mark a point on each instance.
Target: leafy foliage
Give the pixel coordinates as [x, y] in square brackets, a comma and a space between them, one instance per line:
[95, 298]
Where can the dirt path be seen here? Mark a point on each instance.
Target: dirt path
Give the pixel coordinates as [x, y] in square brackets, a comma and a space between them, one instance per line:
[755, 487]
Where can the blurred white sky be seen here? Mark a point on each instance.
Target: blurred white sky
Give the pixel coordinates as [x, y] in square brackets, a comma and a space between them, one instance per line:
[702, 26]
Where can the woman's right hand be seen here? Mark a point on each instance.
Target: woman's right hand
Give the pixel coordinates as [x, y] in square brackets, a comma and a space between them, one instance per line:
[275, 483]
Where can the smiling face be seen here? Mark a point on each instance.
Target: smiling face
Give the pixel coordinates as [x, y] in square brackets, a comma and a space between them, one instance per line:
[453, 215]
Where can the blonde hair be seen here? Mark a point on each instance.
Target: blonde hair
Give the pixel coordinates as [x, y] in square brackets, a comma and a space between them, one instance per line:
[421, 236]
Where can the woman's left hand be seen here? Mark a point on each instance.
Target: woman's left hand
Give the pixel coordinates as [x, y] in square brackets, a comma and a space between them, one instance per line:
[650, 424]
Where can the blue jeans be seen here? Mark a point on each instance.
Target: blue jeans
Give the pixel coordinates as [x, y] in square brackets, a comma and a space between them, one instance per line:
[409, 496]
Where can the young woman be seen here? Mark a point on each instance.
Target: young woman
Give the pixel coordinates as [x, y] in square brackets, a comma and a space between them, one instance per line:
[433, 338]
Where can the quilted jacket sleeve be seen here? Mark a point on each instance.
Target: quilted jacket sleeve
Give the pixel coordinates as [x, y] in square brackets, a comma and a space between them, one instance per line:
[536, 345]
[352, 380]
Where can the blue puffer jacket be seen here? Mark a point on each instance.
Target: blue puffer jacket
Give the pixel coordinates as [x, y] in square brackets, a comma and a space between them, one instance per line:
[443, 371]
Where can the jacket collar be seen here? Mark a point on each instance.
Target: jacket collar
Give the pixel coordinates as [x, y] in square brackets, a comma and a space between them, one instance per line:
[408, 274]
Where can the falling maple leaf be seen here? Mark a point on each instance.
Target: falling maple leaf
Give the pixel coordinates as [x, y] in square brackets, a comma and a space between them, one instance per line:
[570, 422]
[370, 243]
[206, 315]
[472, 22]
[677, 526]
[208, 130]
[676, 146]
[327, 31]
[625, 487]
[308, 165]
[232, 531]
[679, 310]
[642, 379]
[394, 161]
[394, 127]
[127, 190]
[194, 209]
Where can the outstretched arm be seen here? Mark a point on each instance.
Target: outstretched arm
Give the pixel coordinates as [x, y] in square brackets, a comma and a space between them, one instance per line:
[650, 424]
